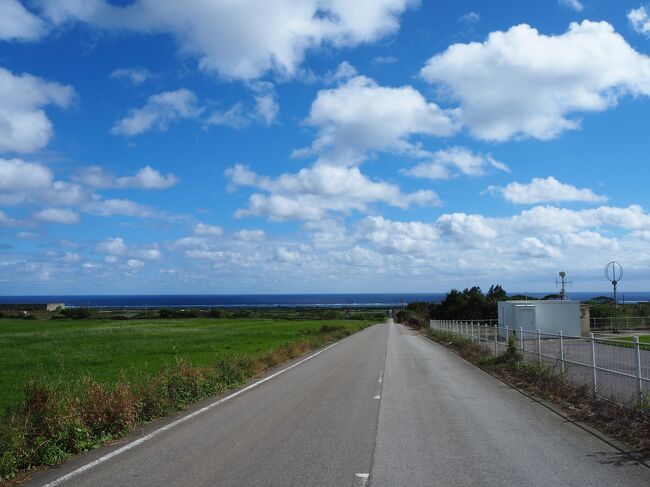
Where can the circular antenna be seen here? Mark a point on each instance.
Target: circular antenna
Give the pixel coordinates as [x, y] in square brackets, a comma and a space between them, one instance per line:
[614, 271]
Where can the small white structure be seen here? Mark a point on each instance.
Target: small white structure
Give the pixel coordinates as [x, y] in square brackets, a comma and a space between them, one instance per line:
[549, 316]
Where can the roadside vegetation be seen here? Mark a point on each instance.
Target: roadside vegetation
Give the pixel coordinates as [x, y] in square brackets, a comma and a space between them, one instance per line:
[67, 386]
[629, 423]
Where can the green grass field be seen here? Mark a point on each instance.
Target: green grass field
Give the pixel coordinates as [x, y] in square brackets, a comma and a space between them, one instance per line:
[59, 350]
[642, 339]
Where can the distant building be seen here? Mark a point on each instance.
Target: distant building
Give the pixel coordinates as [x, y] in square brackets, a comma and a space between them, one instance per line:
[548, 316]
[21, 307]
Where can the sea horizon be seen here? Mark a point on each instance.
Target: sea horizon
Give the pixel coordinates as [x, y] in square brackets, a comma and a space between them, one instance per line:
[272, 300]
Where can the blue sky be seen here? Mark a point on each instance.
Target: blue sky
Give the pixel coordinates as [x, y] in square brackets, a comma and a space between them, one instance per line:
[155, 146]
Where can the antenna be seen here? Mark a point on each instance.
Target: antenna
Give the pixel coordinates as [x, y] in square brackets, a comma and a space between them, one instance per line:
[614, 273]
[563, 280]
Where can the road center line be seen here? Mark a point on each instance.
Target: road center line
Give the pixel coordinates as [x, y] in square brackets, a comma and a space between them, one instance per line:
[157, 432]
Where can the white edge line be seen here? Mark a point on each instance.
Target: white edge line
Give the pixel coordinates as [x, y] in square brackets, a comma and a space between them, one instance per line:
[157, 432]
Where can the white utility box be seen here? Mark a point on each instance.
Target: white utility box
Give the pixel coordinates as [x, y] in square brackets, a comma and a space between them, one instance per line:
[550, 316]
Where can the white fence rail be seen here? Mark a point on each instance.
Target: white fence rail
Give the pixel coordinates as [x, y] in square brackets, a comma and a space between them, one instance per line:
[615, 370]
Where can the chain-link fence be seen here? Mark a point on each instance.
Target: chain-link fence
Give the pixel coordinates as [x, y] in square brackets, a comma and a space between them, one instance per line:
[615, 369]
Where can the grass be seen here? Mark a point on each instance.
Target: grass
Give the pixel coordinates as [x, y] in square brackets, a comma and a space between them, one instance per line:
[642, 339]
[78, 384]
[104, 350]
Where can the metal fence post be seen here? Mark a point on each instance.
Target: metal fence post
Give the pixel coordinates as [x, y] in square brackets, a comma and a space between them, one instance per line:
[521, 338]
[593, 363]
[539, 345]
[507, 335]
[561, 353]
[496, 339]
[639, 382]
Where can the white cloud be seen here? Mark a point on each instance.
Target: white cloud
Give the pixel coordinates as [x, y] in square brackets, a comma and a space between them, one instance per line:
[209, 230]
[247, 38]
[250, 235]
[572, 4]
[135, 76]
[145, 178]
[22, 181]
[531, 84]
[267, 108]
[545, 190]
[314, 192]
[116, 249]
[466, 227]
[118, 206]
[18, 23]
[449, 162]
[57, 215]
[361, 116]
[385, 60]
[343, 72]
[112, 246]
[235, 117]
[469, 18]
[640, 20]
[135, 264]
[159, 111]
[24, 127]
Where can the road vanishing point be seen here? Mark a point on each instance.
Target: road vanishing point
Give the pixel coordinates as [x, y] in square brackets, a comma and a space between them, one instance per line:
[385, 403]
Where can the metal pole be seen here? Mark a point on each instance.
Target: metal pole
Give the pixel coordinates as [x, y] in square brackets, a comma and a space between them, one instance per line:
[521, 338]
[561, 353]
[639, 382]
[593, 363]
[539, 346]
[496, 339]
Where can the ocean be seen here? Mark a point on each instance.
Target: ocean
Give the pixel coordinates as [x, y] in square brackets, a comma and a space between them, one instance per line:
[269, 300]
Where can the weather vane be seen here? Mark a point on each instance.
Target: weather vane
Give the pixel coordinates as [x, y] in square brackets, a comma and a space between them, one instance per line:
[614, 273]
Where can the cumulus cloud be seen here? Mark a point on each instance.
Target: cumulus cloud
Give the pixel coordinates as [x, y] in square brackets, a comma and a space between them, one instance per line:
[24, 127]
[360, 116]
[640, 20]
[114, 249]
[455, 160]
[587, 69]
[57, 215]
[314, 192]
[145, 178]
[159, 112]
[243, 39]
[19, 24]
[118, 206]
[250, 235]
[208, 230]
[134, 76]
[545, 190]
[343, 72]
[572, 4]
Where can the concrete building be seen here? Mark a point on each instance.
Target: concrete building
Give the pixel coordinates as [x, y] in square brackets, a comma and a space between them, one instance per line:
[548, 316]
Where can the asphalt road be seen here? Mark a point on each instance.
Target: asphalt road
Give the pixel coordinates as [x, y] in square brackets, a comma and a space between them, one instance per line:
[411, 413]
[442, 421]
[314, 425]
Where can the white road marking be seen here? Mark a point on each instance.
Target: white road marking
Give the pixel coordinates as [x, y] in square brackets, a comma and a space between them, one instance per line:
[376, 397]
[157, 432]
[361, 479]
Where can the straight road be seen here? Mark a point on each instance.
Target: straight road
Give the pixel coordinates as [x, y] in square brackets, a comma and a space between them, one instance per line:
[410, 412]
[313, 425]
[442, 421]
